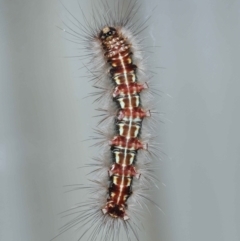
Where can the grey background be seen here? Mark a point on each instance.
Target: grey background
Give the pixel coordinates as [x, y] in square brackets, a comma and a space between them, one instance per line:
[44, 119]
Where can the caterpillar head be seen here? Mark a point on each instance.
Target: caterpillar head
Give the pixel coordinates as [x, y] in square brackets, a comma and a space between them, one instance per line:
[107, 33]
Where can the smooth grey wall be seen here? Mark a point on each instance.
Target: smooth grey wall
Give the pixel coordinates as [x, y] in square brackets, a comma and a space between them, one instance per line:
[44, 119]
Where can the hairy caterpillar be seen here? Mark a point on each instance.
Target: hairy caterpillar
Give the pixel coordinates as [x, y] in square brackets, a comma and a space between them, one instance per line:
[123, 174]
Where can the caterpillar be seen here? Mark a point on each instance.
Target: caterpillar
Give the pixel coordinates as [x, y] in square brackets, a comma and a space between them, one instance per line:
[123, 173]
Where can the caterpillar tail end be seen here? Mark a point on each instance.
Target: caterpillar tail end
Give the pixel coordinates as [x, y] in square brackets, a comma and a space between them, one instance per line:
[115, 210]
